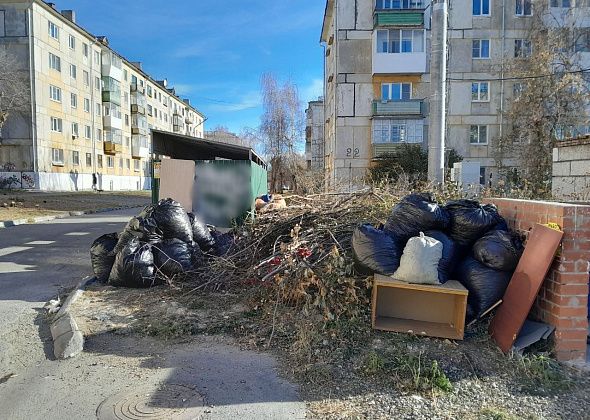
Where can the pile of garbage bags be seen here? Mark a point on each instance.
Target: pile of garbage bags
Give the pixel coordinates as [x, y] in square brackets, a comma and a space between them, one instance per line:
[160, 243]
[428, 243]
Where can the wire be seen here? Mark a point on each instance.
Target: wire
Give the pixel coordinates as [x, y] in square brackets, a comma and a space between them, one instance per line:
[540, 76]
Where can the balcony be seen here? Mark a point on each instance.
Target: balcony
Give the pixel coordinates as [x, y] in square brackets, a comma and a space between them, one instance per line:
[176, 128]
[397, 18]
[380, 149]
[113, 141]
[404, 63]
[112, 65]
[112, 116]
[139, 125]
[136, 87]
[139, 147]
[111, 90]
[412, 107]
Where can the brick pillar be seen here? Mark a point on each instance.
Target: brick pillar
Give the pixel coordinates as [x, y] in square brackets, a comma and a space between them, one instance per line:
[563, 299]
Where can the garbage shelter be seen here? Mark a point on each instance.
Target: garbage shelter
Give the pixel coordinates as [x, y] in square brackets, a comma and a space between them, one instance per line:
[218, 181]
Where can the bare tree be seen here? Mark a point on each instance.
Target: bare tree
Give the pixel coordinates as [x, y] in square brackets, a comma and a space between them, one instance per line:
[14, 89]
[281, 130]
[549, 98]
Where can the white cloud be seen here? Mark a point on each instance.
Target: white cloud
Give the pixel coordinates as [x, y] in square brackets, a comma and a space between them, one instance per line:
[184, 88]
[249, 100]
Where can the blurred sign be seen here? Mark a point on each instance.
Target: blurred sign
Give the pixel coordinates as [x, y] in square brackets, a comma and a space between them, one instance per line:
[157, 169]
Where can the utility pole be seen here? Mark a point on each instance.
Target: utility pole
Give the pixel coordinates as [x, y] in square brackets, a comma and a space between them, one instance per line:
[438, 79]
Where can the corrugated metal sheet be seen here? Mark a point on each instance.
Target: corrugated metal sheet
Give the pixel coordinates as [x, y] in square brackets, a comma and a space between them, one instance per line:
[380, 149]
[409, 107]
[399, 18]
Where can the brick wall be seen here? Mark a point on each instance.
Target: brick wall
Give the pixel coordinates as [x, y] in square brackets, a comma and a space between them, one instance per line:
[563, 299]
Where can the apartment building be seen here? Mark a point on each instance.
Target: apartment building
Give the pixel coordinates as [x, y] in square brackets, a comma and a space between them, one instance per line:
[377, 78]
[314, 135]
[91, 110]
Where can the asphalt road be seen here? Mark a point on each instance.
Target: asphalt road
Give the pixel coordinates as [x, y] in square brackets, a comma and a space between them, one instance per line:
[39, 261]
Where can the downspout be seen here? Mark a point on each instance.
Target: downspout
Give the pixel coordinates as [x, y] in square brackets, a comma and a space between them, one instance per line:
[324, 114]
[502, 68]
[92, 110]
[336, 46]
[33, 94]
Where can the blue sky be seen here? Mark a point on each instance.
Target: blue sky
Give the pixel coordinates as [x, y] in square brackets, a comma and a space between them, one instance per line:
[212, 51]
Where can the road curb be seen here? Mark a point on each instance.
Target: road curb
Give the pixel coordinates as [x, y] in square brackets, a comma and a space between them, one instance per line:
[68, 340]
[34, 220]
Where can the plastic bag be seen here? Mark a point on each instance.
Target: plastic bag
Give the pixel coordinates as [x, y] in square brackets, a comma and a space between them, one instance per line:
[223, 242]
[201, 234]
[499, 250]
[414, 214]
[419, 262]
[447, 262]
[470, 220]
[134, 266]
[102, 256]
[171, 219]
[375, 251]
[144, 229]
[172, 256]
[486, 286]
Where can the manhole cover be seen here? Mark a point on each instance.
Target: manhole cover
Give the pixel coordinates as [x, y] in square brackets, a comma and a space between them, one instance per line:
[170, 401]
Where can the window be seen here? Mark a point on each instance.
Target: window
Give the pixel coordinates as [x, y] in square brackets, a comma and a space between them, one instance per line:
[85, 49]
[98, 134]
[480, 48]
[54, 93]
[582, 40]
[561, 3]
[524, 8]
[97, 109]
[481, 7]
[480, 91]
[127, 141]
[97, 58]
[72, 42]
[136, 165]
[149, 91]
[133, 79]
[399, 4]
[517, 89]
[57, 156]
[396, 91]
[75, 130]
[86, 77]
[86, 105]
[99, 161]
[76, 158]
[398, 131]
[110, 162]
[522, 48]
[53, 30]
[125, 75]
[128, 163]
[127, 120]
[88, 159]
[54, 62]
[121, 163]
[97, 83]
[73, 71]
[478, 134]
[87, 132]
[74, 100]
[482, 176]
[56, 125]
[396, 41]
[150, 110]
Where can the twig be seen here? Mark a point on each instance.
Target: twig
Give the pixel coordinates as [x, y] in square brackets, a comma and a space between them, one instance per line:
[274, 318]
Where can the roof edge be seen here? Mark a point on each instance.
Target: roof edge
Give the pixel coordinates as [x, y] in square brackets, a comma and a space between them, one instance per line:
[328, 16]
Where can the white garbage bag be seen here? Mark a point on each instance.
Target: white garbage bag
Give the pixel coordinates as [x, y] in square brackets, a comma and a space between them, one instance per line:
[419, 262]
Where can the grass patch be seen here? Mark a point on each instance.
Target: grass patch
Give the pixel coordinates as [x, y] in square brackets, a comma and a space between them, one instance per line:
[494, 414]
[542, 374]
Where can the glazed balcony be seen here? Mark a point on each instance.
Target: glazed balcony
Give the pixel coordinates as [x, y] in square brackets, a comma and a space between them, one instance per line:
[139, 147]
[411, 107]
[399, 13]
[113, 141]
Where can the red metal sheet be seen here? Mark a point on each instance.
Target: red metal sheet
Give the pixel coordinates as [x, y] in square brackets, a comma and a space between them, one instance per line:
[524, 285]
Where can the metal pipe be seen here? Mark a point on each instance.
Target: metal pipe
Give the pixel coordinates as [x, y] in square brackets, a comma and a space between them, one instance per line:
[33, 93]
[502, 67]
[92, 110]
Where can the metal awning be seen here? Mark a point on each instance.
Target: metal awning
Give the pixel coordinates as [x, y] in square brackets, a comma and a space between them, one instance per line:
[177, 146]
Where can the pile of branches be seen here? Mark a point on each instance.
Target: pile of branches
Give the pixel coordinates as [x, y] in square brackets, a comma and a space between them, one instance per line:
[302, 254]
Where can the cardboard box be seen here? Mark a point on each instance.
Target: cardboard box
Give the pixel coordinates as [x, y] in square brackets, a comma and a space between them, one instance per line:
[436, 311]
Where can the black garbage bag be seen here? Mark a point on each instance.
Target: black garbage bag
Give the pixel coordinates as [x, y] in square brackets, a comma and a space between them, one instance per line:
[375, 251]
[172, 256]
[223, 243]
[446, 265]
[201, 234]
[102, 256]
[486, 286]
[502, 224]
[171, 219]
[414, 214]
[498, 249]
[144, 228]
[470, 220]
[134, 266]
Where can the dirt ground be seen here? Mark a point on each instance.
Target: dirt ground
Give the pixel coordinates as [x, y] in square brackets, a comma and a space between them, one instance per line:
[380, 376]
[24, 205]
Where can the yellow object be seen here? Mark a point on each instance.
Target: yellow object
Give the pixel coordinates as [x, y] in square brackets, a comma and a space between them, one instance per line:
[553, 226]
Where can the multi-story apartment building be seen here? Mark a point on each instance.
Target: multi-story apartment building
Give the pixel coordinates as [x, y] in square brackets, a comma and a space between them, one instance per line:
[377, 78]
[91, 110]
[314, 135]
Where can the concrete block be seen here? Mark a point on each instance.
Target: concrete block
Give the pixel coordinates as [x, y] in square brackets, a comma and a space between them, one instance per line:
[345, 100]
[355, 56]
[555, 154]
[364, 18]
[359, 78]
[359, 34]
[68, 341]
[363, 100]
[574, 152]
[346, 12]
[580, 168]
[561, 169]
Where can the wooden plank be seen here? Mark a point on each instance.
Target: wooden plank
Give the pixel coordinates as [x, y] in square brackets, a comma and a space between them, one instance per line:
[452, 286]
[421, 328]
[524, 285]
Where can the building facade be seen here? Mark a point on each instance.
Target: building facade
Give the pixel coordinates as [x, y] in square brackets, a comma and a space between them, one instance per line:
[377, 78]
[91, 110]
[314, 135]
